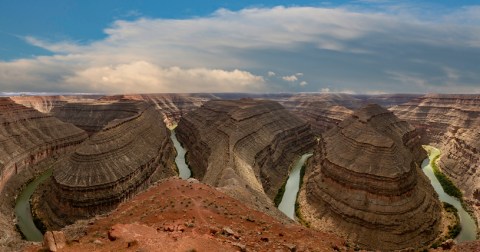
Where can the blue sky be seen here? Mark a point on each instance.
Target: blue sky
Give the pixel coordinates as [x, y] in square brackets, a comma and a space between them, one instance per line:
[361, 46]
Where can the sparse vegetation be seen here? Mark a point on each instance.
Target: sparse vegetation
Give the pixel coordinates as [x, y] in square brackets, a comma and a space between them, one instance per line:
[447, 184]
[453, 230]
[297, 205]
[279, 196]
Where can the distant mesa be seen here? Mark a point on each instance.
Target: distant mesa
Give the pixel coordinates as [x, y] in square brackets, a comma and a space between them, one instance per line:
[244, 147]
[124, 158]
[365, 184]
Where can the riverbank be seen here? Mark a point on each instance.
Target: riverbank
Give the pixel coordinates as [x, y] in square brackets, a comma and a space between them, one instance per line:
[468, 225]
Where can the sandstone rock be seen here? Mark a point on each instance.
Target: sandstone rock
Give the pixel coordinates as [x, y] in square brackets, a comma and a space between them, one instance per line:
[60, 240]
[111, 166]
[364, 184]
[49, 241]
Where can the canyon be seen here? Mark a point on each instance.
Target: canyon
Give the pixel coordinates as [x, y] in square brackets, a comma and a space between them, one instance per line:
[244, 147]
[106, 150]
[365, 184]
[111, 166]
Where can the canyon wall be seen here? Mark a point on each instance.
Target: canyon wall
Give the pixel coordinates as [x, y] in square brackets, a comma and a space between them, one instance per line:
[125, 157]
[365, 184]
[26, 138]
[245, 147]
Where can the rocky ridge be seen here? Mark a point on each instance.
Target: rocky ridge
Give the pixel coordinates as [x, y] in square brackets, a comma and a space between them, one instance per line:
[365, 184]
[178, 215]
[125, 157]
[244, 147]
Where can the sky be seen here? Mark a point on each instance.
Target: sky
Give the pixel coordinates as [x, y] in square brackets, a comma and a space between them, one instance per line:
[356, 46]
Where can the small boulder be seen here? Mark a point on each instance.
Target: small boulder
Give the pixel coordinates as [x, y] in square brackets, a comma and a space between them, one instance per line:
[49, 241]
[60, 240]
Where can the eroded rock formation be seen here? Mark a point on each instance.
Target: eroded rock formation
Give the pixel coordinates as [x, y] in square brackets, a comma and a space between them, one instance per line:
[94, 115]
[243, 146]
[125, 157]
[436, 114]
[365, 184]
[26, 138]
[460, 160]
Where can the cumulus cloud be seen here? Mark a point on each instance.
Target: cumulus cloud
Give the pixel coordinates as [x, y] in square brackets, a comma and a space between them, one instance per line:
[354, 49]
[290, 78]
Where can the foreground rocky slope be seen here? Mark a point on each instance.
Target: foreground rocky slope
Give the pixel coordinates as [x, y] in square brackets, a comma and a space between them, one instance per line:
[178, 215]
[244, 146]
[365, 184]
[26, 138]
[110, 167]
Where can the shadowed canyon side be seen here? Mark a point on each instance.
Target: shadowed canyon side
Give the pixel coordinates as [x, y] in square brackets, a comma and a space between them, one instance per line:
[26, 138]
[244, 147]
[364, 184]
[125, 157]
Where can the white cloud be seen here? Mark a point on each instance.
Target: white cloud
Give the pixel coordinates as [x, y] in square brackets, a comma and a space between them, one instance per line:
[225, 51]
[291, 78]
[303, 83]
[325, 90]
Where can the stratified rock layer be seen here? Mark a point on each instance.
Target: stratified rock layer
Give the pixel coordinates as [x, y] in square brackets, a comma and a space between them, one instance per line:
[460, 160]
[94, 115]
[244, 146]
[26, 138]
[436, 114]
[364, 184]
[110, 167]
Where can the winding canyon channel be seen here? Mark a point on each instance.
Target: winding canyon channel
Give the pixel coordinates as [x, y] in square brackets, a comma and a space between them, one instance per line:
[183, 170]
[23, 212]
[469, 228]
[287, 205]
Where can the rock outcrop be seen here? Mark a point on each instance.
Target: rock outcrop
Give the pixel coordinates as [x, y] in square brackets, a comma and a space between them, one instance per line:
[365, 184]
[243, 146]
[125, 157]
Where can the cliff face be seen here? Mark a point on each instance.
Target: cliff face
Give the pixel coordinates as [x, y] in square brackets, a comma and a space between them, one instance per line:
[364, 184]
[110, 167]
[435, 115]
[243, 146]
[26, 138]
[45, 104]
[460, 160]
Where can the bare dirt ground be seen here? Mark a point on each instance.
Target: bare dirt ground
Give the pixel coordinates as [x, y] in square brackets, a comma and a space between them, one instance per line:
[176, 215]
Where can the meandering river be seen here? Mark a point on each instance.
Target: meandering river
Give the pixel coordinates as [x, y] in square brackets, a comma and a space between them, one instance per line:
[183, 169]
[287, 205]
[469, 228]
[23, 211]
